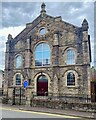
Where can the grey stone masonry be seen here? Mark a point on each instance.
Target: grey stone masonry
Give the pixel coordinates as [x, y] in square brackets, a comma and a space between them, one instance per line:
[60, 36]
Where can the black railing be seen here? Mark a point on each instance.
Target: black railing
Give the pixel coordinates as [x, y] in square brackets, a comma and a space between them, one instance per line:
[1, 92]
[20, 97]
[64, 97]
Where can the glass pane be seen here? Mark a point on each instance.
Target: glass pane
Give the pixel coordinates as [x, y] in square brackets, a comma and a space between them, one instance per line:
[42, 31]
[46, 47]
[38, 62]
[39, 47]
[70, 79]
[42, 55]
[18, 82]
[46, 55]
[18, 61]
[18, 76]
[38, 55]
[43, 78]
[18, 79]
[46, 62]
[70, 57]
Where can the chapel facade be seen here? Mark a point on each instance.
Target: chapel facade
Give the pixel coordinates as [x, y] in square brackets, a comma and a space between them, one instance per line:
[52, 55]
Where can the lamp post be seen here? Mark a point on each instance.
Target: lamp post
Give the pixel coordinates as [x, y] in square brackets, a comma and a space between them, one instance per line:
[13, 103]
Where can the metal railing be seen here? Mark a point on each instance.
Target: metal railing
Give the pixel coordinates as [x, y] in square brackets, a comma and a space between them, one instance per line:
[21, 98]
[63, 97]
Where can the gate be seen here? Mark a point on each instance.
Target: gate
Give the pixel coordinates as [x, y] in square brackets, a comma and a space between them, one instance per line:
[18, 96]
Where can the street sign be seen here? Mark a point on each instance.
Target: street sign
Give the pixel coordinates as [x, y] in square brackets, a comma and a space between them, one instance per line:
[25, 83]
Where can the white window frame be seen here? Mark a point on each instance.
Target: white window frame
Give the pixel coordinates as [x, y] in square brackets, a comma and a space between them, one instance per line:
[21, 65]
[73, 63]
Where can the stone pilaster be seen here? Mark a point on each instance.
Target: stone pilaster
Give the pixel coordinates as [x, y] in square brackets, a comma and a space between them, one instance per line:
[55, 51]
[7, 56]
[10, 92]
[55, 86]
[10, 95]
[56, 39]
[89, 81]
[27, 54]
[28, 95]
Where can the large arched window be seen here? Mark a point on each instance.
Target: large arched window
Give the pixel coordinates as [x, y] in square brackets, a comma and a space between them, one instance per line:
[70, 79]
[42, 85]
[18, 79]
[18, 61]
[42, 55]
[70, 57]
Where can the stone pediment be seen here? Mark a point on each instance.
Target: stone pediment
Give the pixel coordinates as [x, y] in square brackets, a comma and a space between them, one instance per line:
[46, 21]
[30, 26]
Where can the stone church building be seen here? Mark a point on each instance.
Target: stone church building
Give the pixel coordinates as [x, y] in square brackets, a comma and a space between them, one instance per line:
[52, 55]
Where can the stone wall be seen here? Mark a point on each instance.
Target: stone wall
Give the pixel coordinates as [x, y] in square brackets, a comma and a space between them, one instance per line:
[57, 104]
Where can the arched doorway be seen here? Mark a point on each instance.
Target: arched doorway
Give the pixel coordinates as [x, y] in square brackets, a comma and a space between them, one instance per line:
[42, 86]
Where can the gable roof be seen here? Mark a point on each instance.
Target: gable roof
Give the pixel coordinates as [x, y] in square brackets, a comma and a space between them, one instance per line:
[32, 25]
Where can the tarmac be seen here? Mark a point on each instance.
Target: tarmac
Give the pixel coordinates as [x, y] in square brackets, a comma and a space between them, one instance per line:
[82, 114]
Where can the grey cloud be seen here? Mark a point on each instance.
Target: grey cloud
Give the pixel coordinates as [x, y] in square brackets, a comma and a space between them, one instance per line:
[81, 10]
[0, 15]
[2, 59]
[16, 14]
[95, 34]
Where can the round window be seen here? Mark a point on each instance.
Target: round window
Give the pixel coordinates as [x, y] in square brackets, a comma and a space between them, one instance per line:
[42, 31]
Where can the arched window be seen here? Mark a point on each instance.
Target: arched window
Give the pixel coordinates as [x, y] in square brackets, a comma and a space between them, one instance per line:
[18, 61]
[70, 79]
[42, 85]
[70, 57]
[18, 79]
[42, 55]
[42, 31]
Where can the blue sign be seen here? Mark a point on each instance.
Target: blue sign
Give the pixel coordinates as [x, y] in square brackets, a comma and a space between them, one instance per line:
[25, 83]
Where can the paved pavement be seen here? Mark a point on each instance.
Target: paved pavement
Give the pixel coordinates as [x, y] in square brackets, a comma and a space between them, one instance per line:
[86, 115]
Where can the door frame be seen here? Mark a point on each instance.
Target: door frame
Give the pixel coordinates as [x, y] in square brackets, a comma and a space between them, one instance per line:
[43, 92]
[35, 82]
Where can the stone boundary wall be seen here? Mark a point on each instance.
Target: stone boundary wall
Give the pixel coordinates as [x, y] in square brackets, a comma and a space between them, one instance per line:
[54, 104]
[57, 104]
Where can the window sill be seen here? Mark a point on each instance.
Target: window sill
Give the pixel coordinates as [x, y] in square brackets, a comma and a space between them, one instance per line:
[72, 87]
[16, 85]
[41, 66]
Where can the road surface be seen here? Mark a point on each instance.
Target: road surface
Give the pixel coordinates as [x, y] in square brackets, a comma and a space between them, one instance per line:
[16, 113]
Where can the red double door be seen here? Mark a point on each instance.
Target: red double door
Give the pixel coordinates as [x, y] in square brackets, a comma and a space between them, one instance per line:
[42, 87]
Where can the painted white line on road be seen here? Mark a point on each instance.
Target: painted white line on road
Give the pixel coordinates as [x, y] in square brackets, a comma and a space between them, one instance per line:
[16, 110]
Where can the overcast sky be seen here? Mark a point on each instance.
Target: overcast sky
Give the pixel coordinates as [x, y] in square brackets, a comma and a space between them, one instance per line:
[15, 16]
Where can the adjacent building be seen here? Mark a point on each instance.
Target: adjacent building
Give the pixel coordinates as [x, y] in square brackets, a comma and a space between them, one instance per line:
[93, 84]
[1, 81]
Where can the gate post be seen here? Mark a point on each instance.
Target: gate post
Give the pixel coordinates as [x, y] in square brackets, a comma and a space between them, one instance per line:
[28, 95]
[20, 97]
[10, 95]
